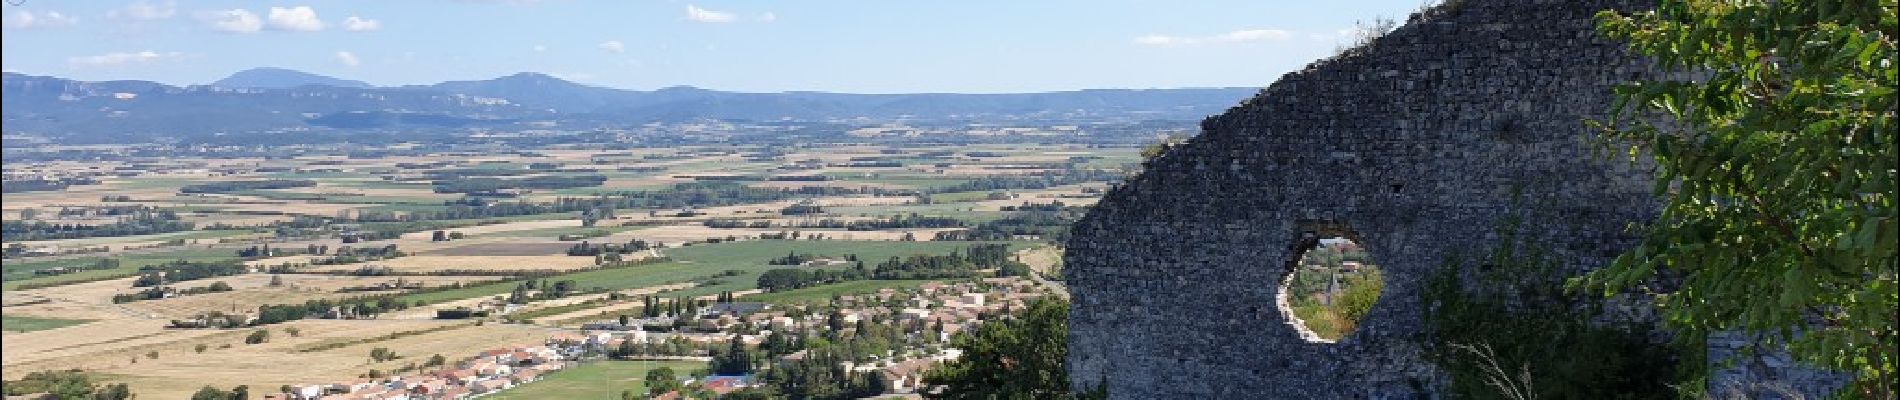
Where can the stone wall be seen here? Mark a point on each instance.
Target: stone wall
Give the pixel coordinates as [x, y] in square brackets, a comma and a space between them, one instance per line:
[1416, 146]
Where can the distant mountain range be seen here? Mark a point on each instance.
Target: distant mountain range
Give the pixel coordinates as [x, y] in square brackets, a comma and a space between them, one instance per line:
[279, 78]
[273, 99]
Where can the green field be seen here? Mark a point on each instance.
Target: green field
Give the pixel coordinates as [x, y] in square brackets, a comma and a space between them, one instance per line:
[821, 294]
[597, 380]
[960, 211]
[958, 197]
[29, 324]
[707, 261]
[127, 265]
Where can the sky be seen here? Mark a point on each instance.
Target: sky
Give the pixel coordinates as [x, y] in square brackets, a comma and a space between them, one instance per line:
[856, 46]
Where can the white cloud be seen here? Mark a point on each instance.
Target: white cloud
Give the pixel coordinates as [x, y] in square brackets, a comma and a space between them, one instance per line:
[143, 11]
[120, 58]
[768, 17]
[1239, 36]
[612, 46]
[31, 20]
[299, 18]
[348, 59]
[540, 48]
[696, 14]
[358, 24]
[1160, 40]
[234, 20]
[1250, 35]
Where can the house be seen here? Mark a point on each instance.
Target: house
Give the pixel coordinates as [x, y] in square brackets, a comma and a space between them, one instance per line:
[973, 299]
[490, 385]
[306, 391]
[723, 384]
[906, 376]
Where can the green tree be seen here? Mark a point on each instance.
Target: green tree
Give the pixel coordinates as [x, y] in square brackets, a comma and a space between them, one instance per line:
[1777, 170]
[209, 393]
[661, 380]
[1362, 291]
[117, 391]
[1018, 358]
[258, 337]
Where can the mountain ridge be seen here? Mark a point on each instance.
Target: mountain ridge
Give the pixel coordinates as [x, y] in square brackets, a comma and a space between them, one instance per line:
[60, 107]
[283, 78]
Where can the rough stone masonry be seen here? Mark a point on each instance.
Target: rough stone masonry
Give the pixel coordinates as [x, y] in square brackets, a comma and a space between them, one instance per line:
[1415, 146]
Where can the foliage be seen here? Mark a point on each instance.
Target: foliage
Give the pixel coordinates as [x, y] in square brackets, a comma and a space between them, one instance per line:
[181, 270]
[1018, 358]
[257, 337]
[661, 380]
[143, 221]
[821, 375]
[1777, 166]
[918, 266]
[65, 385]
[1162, 146]
[241, 392]
[1501, 326]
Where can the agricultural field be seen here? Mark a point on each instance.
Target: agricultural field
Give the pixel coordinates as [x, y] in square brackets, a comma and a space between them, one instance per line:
[29, 324]
[598, 380]
[442, 230]
[821, 294]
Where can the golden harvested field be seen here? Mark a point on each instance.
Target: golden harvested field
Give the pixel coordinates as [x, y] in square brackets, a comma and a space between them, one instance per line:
[180, 370]
[500, 247]
[114, 344]
[443, 263]
[502, 227]
[93, 300]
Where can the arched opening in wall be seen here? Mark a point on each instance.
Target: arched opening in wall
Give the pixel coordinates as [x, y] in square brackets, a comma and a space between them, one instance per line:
[1331, 285]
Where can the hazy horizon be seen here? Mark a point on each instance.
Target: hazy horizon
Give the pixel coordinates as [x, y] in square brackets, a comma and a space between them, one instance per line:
[418, 84]
[846, 47]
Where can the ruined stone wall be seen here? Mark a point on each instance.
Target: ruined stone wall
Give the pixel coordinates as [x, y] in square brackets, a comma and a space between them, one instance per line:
[1416, 145]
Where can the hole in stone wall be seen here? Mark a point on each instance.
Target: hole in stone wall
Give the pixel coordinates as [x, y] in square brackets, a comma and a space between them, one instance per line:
[1332, 285]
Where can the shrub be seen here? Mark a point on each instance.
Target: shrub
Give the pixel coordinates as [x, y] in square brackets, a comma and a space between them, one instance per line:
[258, 336]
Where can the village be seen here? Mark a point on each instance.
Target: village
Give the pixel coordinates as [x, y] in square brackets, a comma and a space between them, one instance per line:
[947, 307]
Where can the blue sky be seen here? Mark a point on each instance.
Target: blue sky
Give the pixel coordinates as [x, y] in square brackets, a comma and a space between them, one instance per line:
[869, 46]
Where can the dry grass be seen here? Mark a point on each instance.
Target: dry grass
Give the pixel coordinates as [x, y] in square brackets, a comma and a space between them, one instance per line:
[179, 370]
[1044, 259]
[93, 300]
[504, 249]
[503, 227]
